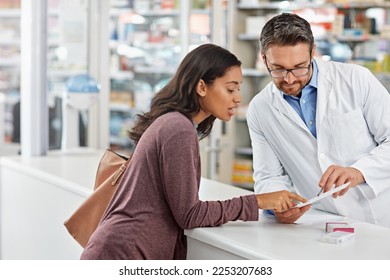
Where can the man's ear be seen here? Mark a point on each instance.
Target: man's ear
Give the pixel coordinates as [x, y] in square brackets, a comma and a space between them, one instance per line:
[262, 57]
[201, 88]
[313, 52]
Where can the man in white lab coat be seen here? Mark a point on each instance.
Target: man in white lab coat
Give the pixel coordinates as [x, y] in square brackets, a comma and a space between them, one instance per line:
[318, 125]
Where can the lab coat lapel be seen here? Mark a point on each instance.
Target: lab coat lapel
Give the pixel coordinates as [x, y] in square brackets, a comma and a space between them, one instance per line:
[282, 106]
[324, 90]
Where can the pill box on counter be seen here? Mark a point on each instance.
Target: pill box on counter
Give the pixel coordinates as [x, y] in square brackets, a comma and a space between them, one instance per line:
[337, 237]
[339, 226]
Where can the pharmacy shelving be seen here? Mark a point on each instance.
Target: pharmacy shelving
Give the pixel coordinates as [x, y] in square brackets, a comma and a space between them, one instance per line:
[148, 39]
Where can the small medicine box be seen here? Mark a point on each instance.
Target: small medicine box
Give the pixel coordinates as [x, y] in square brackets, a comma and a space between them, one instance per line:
[339, 226]
[337, 237]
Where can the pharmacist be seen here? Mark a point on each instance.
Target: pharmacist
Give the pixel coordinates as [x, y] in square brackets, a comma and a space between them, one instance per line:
[320, 124]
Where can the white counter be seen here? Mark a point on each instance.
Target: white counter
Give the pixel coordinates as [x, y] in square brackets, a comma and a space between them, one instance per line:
[268, 239]
[38, 194]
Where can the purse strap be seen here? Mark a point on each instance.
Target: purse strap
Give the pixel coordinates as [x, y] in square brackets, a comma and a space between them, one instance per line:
[118, 174]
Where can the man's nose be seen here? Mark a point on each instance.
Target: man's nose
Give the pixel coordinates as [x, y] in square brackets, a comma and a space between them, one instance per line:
[290, 78]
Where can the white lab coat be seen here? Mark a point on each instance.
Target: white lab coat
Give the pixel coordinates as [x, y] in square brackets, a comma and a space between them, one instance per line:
[353, 129]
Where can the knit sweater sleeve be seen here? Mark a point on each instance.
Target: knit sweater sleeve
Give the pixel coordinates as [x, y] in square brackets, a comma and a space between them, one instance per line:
[180, 169]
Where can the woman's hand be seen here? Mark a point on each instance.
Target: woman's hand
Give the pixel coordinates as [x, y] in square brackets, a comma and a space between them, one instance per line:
[279, 201]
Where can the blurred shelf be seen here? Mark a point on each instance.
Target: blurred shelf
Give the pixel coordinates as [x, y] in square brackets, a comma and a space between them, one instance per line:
[116, 12]
[247, 186]
[113, 44]
[360, 5]
[10, 62]
[10, 13]
[248, 37]
[200, 11]
[252, 72]
[262, 6]
[245, 151]
[122, 75]
[154, 69]
[289, 5]
[10, 42]
[63, 73]
[160, 13]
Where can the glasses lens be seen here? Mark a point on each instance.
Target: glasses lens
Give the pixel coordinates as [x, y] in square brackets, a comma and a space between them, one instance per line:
[278, 73]
[297, 72]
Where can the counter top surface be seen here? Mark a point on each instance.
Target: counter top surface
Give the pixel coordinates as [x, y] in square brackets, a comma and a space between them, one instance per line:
[74, 170]
[269, 239]
[264, 239]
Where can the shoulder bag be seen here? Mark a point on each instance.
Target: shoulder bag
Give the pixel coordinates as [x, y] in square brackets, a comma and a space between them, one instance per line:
[84, 221]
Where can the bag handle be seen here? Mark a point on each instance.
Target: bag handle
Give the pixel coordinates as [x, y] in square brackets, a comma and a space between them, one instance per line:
[119, 172]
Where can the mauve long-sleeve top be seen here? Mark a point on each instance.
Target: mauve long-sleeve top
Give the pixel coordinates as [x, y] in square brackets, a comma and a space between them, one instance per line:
[158, 198]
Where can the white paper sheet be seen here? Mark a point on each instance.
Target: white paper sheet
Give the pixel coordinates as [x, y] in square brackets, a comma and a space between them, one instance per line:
[323, 195]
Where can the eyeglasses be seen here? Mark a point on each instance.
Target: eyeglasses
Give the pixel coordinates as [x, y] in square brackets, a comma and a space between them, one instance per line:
[281, 73]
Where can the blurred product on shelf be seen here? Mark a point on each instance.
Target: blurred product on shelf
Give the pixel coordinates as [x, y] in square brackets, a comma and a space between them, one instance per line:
[128, 97]
[250, 2]
[242, 173]
[338, 25]
[385, 31]
[121, 120]
[355, 1]
[9, 70]
[143, 94]
[9, 4]
[253, 24]
[201, 4]
[168, 4]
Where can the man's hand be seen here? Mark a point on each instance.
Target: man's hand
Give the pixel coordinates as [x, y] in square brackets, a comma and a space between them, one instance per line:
[291, 215]
[337, 175]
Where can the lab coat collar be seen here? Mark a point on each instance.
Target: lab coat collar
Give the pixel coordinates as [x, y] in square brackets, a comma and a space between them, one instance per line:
[325, 88]
[282, 106]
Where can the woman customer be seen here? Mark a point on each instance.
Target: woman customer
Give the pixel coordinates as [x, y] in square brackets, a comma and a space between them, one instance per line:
[158, 196]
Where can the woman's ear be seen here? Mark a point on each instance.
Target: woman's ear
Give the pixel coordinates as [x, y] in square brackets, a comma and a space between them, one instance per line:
[201, 88]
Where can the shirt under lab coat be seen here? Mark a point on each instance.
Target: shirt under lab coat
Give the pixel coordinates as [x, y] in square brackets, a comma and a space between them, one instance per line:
[353, 129]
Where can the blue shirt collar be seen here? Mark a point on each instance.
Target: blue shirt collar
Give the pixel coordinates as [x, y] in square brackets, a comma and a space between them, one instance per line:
[314, 78]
